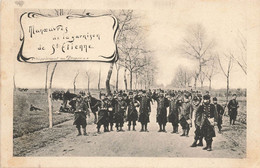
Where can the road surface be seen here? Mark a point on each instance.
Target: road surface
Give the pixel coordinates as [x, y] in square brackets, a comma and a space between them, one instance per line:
[139, 144]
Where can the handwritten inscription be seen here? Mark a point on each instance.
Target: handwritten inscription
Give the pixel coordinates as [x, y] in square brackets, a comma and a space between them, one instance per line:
[68, 38]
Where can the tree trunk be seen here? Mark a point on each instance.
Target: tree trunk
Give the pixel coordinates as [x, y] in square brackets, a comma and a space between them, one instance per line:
[201, 84]
[195, 83]
[125, 80]
[136, 81]
[88, 84]
[209, 84]
[46, 77]
[99, 78]
[131, 80]
[50, 98]
[74, 82]
[227, 90]
[117, 76]
[109, 74]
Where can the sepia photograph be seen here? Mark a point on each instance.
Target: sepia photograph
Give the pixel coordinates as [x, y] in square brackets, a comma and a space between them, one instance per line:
[130, 82]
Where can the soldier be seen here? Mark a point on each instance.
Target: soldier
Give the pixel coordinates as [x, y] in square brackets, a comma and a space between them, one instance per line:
[102, 113]
[198, 136]
[93, 105]
[80, 116]
[144, 110]
[173, 116]
[111, 110]
[232, 109]
[207, 118]
[220, 111]
[162, 104]
[120, 108]
[132, 114]
[186, 115]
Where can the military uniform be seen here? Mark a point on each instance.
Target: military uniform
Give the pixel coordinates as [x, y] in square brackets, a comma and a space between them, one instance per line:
[197, 120]
[161, 117]
[232, 110]
[173, 116]
[111, 112]
[144, 111]
[206, 118]
[220, 111]
[80, 116]
[120, 107]
[132, 114]
[185, 117]
[102, 115]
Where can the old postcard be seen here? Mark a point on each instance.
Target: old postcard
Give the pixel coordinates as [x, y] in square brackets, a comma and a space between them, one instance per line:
[130, 83]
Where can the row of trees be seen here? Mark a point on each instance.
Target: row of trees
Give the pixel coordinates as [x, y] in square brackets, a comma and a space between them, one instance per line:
[134, 58]
[202, 50]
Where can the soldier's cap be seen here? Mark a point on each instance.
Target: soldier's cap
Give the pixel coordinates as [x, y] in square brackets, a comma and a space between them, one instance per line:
[215, 99]
[161, 91]
[130, 93]
[124, 94]
[119, 95]
[79, 95]
[144, 91]
[102, 94]
[172, 94]
[196, 98]
[109, 94]
[234, 94]
[206, 97]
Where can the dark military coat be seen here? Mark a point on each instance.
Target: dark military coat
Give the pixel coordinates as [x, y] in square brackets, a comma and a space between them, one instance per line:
[206, 112]
[162, 104]
[120, 108]
[232, 108]
[173, 116]
[132, 114]
[144, 109]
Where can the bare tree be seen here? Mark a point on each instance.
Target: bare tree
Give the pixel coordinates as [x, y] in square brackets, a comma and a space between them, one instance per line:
[74, 81]
[117, 74]
[211, 70]
[88, 74]
[124, 18]
[46, 76]
[195, 75]
[241, 57]
[49, 96]
[182, 78]
[99, 78]
[197, 46]
[226, 70]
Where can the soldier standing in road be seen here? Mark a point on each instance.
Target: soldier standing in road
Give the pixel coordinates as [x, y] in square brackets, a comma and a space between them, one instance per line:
[80, 116]
[102, 113]
[132, 114]
[232, 109]
[220, 111]
[198, 136]
[162, 104]
[173, 116]
[144, 110]
[208, 118]
[186, 115]
[120, 108]
[111, 110]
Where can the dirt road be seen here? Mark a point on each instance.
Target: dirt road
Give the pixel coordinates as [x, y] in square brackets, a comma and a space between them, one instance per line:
[135, 143]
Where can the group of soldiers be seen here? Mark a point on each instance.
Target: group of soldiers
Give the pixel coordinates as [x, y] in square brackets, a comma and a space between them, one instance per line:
[136, 106]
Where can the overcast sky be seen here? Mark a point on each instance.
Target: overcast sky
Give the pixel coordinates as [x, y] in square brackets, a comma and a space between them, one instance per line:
[166, 29]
